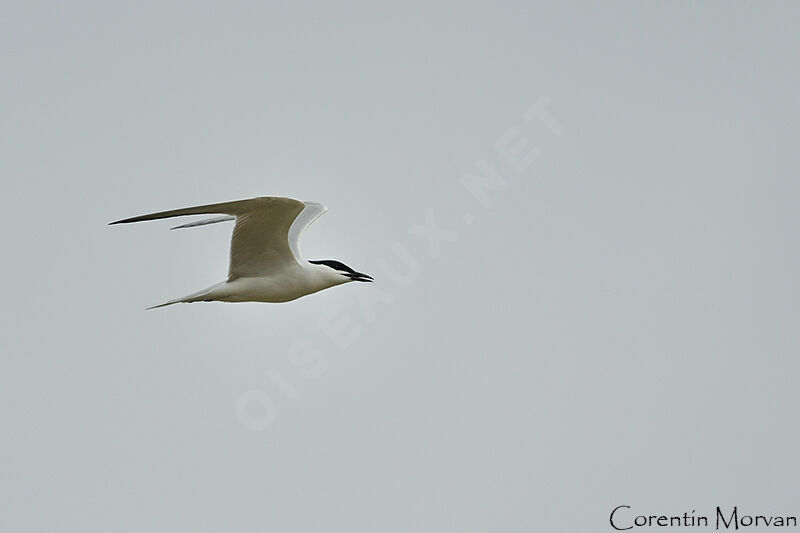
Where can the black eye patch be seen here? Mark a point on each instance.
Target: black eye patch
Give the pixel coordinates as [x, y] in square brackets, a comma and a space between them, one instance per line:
[336, 265]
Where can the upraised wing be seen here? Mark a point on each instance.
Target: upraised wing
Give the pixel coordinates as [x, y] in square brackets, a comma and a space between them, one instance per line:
[265, 237]
[306, 217]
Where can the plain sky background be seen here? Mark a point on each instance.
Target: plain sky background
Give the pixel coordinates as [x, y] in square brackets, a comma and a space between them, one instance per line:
[618, 326]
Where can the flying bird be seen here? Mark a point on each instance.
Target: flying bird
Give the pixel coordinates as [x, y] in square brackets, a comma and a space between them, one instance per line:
[265, 260]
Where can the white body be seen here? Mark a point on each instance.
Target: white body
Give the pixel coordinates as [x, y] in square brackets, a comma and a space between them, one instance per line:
[284, 286]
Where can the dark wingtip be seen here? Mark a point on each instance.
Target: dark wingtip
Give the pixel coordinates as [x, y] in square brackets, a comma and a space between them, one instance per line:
[126, 221]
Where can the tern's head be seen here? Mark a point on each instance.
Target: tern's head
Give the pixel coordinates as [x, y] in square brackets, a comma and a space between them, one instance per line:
[338, 268]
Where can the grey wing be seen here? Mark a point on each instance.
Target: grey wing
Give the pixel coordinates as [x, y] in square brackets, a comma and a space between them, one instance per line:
[228, 208]
[307, 216]
[260, 241]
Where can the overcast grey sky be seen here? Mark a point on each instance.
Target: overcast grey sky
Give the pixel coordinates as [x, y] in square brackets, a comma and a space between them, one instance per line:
[615, 322]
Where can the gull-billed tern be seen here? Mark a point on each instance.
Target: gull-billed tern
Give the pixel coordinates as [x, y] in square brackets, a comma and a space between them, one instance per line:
[265, 261]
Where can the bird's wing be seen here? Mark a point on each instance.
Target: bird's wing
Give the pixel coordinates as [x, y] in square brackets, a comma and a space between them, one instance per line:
[260, 244]
[306, 217]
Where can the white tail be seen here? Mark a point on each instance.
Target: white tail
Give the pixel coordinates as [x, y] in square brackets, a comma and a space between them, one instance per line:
[166, 304]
